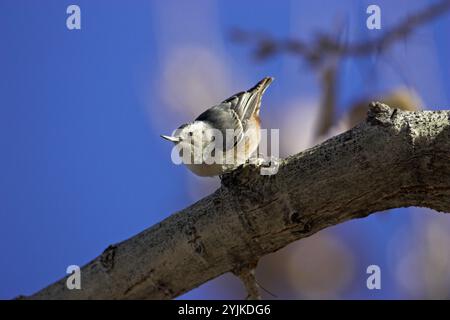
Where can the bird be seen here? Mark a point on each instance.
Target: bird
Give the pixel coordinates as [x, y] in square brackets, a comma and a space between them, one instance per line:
[224, 136]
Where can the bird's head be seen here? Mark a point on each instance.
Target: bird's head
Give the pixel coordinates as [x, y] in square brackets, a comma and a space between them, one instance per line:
[187, 133]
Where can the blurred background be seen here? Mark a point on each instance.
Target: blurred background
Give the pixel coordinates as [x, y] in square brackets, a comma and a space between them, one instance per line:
[82, 164]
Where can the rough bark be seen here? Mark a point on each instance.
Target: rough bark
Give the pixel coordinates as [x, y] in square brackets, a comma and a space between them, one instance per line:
[394, 159]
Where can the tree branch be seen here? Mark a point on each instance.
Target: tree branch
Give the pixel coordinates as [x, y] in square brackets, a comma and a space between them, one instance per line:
[325, 46]
[394, 159]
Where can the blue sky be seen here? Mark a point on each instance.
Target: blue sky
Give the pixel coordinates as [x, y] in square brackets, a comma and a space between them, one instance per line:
[82, 164]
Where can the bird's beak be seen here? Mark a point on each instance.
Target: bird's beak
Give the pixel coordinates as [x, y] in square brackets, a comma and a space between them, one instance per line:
[170, 138]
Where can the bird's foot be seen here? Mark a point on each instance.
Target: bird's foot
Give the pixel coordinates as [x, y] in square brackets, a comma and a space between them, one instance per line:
[269, 165]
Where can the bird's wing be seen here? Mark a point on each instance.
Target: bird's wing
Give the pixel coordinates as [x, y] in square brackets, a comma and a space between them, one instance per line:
[235, 112]
[247, 103]
[222, 117]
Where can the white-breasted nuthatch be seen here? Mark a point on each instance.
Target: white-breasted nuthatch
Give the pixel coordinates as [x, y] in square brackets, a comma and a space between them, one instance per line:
[224, 136]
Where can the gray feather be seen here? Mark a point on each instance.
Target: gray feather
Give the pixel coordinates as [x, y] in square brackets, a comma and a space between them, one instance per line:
[222, 117]
[247, 103]
[234, 112]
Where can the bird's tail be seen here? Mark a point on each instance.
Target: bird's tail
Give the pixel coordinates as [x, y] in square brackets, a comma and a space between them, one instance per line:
[256, 94]
[261, 86]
